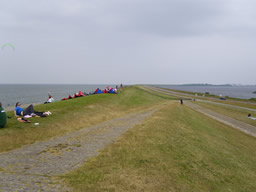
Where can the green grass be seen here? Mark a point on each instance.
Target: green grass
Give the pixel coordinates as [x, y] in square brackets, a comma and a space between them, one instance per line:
[71, 115]
[177, 149]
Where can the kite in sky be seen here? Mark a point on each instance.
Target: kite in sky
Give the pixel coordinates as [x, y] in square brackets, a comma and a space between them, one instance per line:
[8, 45]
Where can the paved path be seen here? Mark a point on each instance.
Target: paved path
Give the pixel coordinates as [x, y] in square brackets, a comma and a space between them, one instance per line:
[189, 97]
[228, 105]
[33, 167]
[244, 127]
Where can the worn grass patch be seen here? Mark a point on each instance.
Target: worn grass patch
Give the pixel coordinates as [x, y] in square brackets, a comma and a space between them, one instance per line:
[71, 115]
[177, 149]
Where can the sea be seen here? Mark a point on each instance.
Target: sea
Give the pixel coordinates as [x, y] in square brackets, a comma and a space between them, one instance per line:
[38, 93]
[34, 93]
[243, 92]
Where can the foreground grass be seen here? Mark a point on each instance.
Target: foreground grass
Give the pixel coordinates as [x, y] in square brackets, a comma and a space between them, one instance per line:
[71, 115]
[177, 149]
[239, 114]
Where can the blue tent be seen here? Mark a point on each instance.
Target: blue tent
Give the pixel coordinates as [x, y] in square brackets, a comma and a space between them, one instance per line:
[111, 91]
[98, 91]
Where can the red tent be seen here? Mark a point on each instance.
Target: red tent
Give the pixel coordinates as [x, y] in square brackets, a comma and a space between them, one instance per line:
[69, 97]
[80, 94]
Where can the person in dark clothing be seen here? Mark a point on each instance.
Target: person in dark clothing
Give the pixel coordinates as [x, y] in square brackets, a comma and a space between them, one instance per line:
[181, 101]
[30, 111]
[2, 116]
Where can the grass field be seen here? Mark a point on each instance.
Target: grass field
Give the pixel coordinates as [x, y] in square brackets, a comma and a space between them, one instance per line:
[177, 149]
[71, 115]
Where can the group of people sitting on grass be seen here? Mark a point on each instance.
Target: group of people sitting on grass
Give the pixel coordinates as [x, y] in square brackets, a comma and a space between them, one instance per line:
[97, 91]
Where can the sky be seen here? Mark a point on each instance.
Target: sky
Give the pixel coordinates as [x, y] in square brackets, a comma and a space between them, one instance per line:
[128, 41]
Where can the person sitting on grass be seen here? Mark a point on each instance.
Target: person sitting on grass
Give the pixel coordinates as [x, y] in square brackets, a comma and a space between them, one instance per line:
[49, 100]
[2, 116]
[18, 111]
[250, 117]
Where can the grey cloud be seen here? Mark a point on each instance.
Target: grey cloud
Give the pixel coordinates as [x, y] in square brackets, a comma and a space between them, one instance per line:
[169, 18]
[132, 41]
[184, 17]
[162, 17]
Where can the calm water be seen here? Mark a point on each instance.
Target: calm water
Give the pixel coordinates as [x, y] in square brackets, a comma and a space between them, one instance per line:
[244, 92]
[26, 94]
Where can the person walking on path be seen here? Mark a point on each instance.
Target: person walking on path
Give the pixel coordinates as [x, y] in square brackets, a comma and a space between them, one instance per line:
[181, 101]
[2, 116]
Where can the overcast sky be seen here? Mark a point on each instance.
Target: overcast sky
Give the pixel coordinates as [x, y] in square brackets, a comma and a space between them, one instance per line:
[128, 41]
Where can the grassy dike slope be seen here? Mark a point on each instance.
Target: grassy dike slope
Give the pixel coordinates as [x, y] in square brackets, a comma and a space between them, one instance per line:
[71, 115]
[177, 149]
